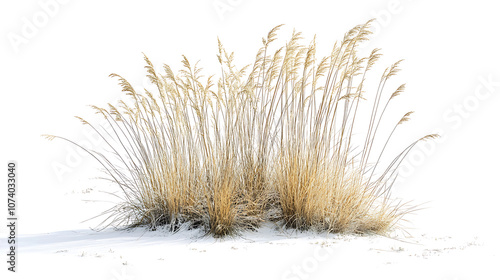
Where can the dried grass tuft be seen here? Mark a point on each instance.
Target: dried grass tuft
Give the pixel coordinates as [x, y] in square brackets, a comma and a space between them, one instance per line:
[270, 141]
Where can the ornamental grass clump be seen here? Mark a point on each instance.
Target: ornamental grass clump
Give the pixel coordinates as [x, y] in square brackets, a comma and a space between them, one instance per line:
[272, 141]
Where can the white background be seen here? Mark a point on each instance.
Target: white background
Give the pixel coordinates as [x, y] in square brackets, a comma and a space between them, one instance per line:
[55, 60]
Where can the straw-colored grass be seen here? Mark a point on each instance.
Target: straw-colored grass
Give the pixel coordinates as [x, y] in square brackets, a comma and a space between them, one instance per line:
[270, 141]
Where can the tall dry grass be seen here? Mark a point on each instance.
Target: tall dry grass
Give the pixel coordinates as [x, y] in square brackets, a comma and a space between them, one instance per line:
[270, 141]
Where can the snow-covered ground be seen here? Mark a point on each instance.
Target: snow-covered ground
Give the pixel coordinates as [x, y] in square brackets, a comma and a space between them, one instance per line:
[85, 254]
[55, 243]
[56, 56]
